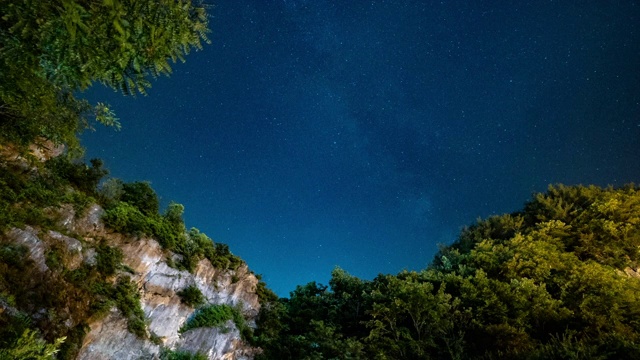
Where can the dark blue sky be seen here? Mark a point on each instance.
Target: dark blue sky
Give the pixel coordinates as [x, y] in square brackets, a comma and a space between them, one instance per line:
[318, 133]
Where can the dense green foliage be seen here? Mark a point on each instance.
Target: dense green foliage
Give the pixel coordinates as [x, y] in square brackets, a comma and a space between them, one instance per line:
[192, 296]
[29, 346]
[168, 354]
[24, 196]
[50, 49]
[214, 315]
[550, 282]
[555, 281]
[134, 210]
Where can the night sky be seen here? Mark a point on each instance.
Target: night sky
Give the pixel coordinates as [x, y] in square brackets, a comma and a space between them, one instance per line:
[316, 133]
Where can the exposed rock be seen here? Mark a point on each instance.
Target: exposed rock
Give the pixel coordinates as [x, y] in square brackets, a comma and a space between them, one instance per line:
[73, 255]
[44, 150]
[89, 255]
[218, 343]
[29, 238]
[40, 151]
[89, 224]
[632, 272]
[241, 292]
[109, 339]
[158, 284]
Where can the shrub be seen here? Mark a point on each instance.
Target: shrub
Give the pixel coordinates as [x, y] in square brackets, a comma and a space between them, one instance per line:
[215, 316]
[127, 219]
[108, 259]
[79, 200]
[111, 191]
[83, 177]
[13, 255]
[142, 196]
[73, 343]
[209, 316]
[31, 346]
[168, 354]
[54, 259]
[191, 296]
[127, 300]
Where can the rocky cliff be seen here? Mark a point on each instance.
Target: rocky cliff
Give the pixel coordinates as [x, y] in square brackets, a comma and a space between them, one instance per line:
[145, 262]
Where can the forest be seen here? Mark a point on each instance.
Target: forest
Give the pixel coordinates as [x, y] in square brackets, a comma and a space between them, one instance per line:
[557, 280]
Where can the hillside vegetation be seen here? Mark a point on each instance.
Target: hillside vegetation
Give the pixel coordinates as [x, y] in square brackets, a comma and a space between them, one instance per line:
[49, 52]
[557, 280]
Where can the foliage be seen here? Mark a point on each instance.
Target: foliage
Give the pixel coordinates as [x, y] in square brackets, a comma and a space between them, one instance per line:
[545, 283]
[62, 294]
[127, 299]
[50, 49]
[209, 316]
[140, 195]
[110, 191]
[315, 323]
[214, 315]
[170, 232]
[192, 296]
[265, 295]
[108, 259]
[30, 346]
[77, 174]
[54, 258]
[23, 196]
[168, 354]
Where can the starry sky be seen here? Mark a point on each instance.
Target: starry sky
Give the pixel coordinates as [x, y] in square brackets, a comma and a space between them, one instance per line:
[316, 133]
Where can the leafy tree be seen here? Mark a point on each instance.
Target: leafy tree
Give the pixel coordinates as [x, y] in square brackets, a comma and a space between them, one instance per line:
[81, 176]
[192, 296]
[557, 280]
[141, 195]
[31, 347]
[410, 318]
[50, 49]
[110, 191]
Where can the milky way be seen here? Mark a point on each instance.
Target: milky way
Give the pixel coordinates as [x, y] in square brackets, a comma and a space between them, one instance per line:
[311, 134]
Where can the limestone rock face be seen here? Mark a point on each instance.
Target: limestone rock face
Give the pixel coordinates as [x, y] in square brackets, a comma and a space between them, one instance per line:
[222, 343]
[40, 151]
[158, 284]
[29, 238]
[109, 339]
[72, 247]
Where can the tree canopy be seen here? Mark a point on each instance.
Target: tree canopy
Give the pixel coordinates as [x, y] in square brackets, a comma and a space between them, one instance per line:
[557, 280]
[51, 49]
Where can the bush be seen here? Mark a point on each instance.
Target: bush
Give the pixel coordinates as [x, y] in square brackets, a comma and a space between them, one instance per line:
[108, 259]
[209, 316]
[31, 346]
[54, 259]
[167, 354]
[170, 232]
[191, 296]
[78, 174]
[127, 300]
[111, 191]
[216, 316]
[142, 196]
[127, 219]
